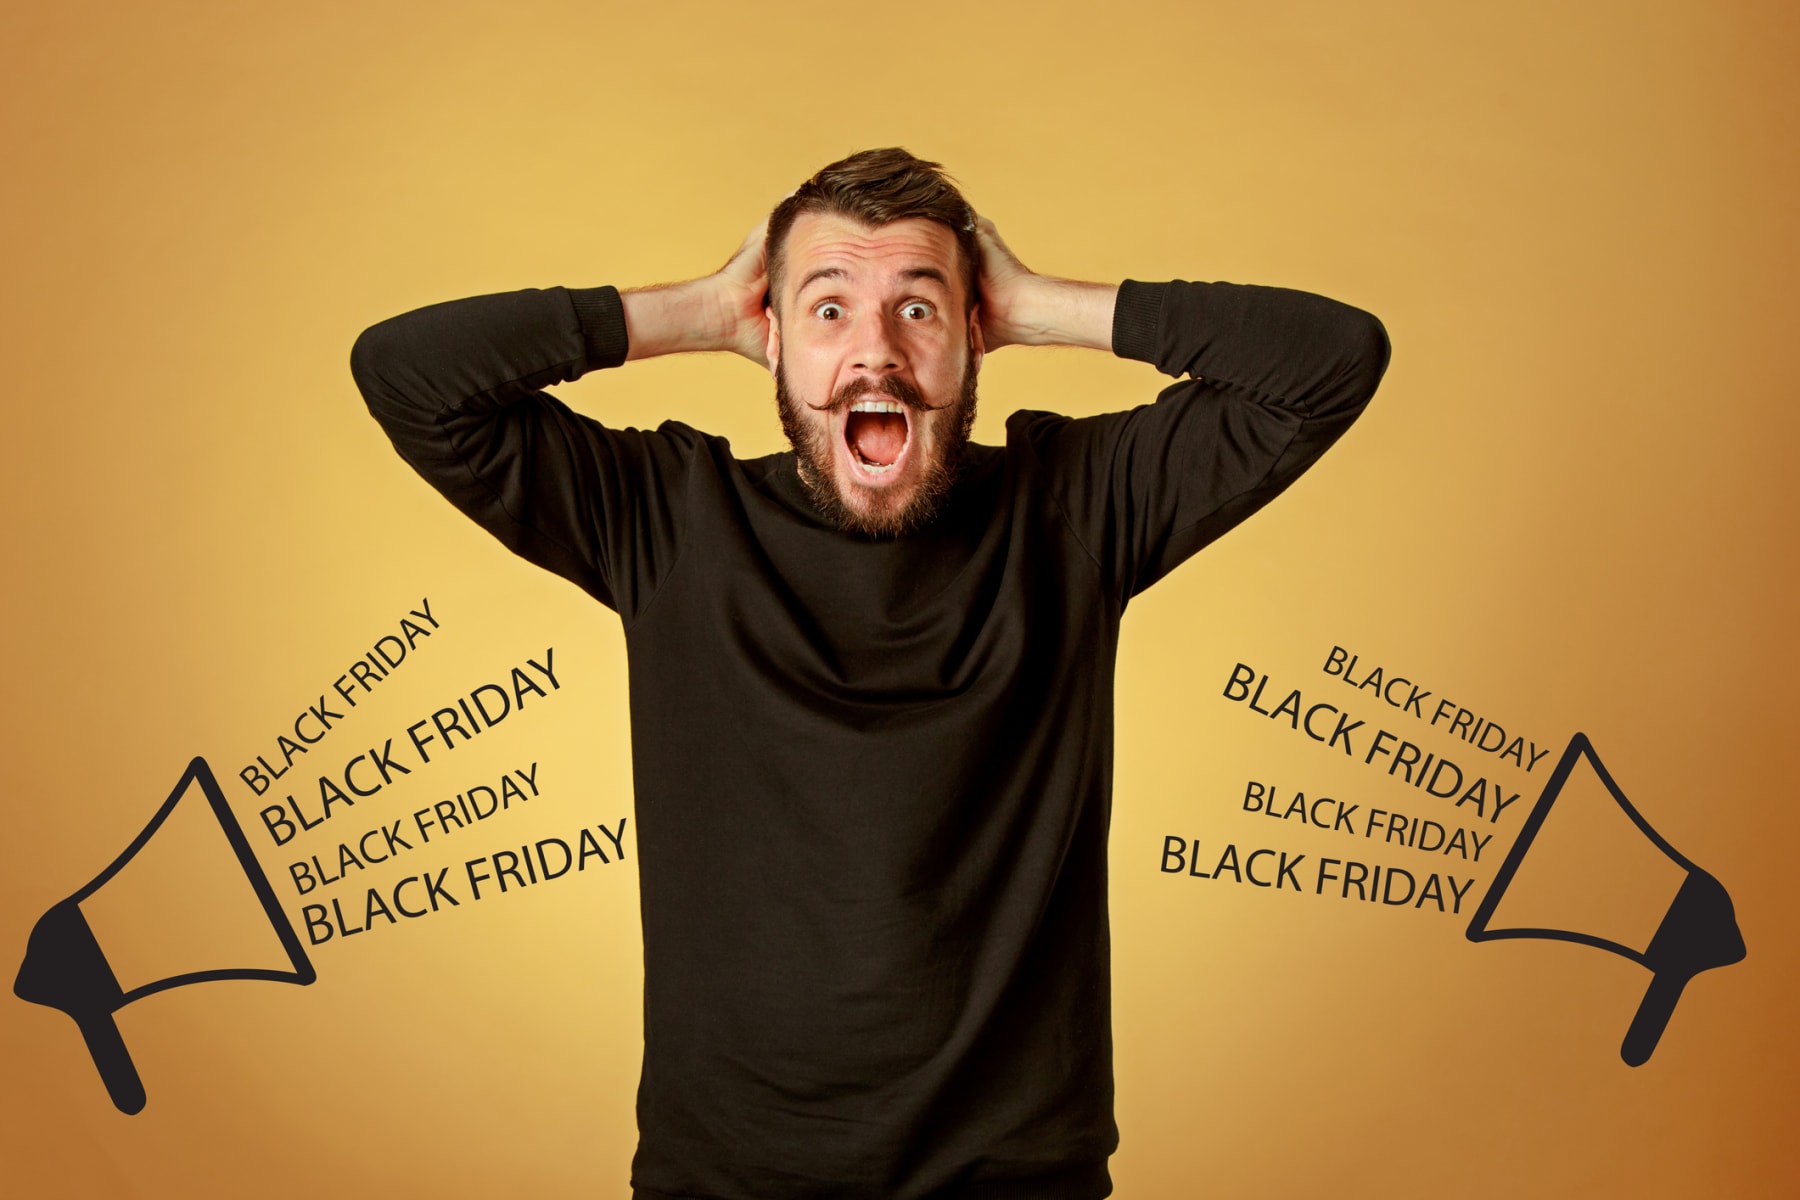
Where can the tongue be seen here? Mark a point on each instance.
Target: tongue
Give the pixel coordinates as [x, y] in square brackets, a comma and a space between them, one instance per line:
[877, 437]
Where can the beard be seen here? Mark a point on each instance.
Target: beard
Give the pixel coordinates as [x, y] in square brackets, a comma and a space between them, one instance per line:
[881, 515]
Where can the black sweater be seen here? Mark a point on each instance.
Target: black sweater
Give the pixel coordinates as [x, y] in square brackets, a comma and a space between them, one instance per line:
[873, 776]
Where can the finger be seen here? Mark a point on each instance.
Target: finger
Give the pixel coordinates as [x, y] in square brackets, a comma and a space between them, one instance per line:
[755, 238]
[989, 237]
[747, 259]
[994, 250]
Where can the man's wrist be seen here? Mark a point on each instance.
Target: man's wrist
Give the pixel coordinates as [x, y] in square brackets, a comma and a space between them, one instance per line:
[673, 318]
[1064, 312]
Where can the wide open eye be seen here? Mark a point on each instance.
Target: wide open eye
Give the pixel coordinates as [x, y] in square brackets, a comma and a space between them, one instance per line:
[916, 310]
[830, 310]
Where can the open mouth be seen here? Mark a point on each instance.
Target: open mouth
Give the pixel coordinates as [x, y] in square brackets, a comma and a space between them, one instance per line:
[877, 433]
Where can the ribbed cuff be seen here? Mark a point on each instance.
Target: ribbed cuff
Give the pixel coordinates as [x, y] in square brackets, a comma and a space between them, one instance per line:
[1135, 316]
[602, 317]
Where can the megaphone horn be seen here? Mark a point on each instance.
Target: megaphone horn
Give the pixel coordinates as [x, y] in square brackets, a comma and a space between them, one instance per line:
[65, 967]
[1698, 932]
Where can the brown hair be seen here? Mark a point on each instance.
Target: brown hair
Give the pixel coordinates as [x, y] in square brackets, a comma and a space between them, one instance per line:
[878, 187]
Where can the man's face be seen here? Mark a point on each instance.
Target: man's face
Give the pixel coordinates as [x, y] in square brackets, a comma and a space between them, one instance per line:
[875, 362]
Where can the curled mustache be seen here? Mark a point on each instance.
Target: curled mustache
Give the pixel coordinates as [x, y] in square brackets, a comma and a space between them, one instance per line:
[891, 386]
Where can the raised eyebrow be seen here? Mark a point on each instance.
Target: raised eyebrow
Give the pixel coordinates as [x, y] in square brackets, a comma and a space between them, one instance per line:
[813, 277]
[912, 274]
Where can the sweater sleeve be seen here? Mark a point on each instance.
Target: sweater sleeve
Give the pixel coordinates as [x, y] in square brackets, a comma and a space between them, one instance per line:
[1275, 376]
[458, 386]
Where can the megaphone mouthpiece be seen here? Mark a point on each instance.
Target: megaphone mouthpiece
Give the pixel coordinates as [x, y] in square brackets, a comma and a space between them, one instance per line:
[65, 969]
[1699, 932]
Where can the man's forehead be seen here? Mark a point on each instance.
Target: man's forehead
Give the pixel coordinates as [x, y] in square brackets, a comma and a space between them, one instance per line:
[851, 250]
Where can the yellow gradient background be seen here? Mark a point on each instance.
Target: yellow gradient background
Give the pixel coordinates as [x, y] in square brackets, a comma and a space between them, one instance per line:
[1572, 507]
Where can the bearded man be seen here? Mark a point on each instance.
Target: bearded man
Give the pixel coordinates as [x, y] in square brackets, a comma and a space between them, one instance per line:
[871, 678]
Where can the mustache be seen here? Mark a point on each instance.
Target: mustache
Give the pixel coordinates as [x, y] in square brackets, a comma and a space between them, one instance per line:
[890, 386]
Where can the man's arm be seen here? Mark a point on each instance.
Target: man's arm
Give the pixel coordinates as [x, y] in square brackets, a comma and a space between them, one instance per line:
[721, 311]
[458, 387]
[1022, 308]
[1275, 377]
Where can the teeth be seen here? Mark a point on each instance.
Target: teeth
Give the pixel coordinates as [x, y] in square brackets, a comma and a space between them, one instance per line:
[873, 468]
[876, 406]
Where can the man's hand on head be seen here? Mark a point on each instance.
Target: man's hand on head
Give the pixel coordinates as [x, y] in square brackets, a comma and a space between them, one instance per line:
[740, 289]
[1004, 282]
[721, 311]
[1022, 308]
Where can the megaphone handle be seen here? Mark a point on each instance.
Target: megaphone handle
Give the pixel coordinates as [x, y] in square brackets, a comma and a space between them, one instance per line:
[1653, 1016]
[107, 1047]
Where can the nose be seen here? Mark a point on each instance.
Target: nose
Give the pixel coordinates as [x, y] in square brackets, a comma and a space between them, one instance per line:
[877, 349]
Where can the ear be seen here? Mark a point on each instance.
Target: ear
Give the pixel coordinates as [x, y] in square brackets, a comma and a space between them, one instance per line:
[977, 344]
[772, 351]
